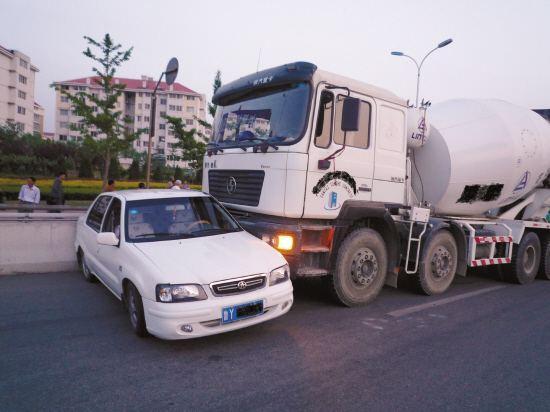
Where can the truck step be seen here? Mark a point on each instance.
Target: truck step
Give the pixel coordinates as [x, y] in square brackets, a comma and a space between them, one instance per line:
[490, 261]
[493, 239]
[315, 249]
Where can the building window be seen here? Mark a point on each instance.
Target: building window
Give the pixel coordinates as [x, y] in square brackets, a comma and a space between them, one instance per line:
[189, 122]
[63, 112]
[163, 102]
[161, 139]
[138, 143]
[82, 88]
[63, 125]
[63, 137]
[36, 126]
[138, 118]
[94, 109]
[75, 87]
[162, 115]
[21, 110]
[162, 126]
[139, 106]
[147, 106]
[146, 118]
[190, 97]
[94, 134]
[64, 99]
[23, 63]
[160, 151]
[190, 109]
[22, 79]
[21, 95]
[36, 117]
[140, 94]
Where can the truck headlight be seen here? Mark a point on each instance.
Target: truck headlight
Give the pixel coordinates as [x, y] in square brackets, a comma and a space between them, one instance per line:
[279, 275]
[180, 293]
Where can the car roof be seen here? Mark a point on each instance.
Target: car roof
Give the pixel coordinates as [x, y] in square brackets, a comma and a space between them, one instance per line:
[143, 194]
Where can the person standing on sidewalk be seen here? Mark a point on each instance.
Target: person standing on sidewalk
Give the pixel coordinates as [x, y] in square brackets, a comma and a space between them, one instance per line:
[29, 193]
[57, 195]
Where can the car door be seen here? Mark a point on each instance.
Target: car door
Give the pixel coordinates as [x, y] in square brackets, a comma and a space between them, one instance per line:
[91, 228]
[109, 257]
[347, 172]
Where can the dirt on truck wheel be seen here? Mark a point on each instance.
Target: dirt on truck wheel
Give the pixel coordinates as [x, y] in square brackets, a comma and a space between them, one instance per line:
[360, 270]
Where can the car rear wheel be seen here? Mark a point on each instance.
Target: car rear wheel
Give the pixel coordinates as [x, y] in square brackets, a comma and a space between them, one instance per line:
[134, 305]
[88, 275]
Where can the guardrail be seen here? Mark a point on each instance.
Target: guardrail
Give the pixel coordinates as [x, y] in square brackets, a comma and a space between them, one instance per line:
[25, 207]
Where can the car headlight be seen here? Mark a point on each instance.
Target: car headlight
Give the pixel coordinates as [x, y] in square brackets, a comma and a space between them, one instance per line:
[180, 293]
[279, 275]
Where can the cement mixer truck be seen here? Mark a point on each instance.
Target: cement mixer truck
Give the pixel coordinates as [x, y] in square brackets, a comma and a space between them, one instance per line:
[353, 185]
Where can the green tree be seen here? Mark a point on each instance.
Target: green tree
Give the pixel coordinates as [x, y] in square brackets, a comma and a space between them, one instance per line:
[134, 171]
[192, 150]
[99, 112]
[211, 106]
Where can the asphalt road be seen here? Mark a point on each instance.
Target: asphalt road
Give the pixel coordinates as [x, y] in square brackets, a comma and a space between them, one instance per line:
[485, 345]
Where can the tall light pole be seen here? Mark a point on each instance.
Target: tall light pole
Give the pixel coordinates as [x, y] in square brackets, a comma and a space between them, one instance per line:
[171, 72]
[419, 66]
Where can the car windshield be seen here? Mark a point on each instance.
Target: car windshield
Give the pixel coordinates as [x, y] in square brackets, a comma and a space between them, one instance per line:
[153, 220]
[277, 116]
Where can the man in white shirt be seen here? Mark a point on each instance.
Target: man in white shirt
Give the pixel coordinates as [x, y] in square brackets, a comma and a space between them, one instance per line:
[177, 185]
[29, 193]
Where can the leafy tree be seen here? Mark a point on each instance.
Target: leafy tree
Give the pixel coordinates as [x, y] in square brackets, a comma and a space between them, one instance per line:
[85, 169]
[192, 150]
[178, 173]
[134, 171]
[211, 106]
[99, 112]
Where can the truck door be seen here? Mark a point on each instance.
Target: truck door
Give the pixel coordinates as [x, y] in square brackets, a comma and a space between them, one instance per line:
[350, 170]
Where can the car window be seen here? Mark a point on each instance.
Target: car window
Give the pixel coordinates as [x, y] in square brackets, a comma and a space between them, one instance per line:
[111, 223]
[97, 211]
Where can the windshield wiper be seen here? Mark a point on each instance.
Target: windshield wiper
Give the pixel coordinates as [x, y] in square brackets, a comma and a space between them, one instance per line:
[215, 150]
[218, 230]
[266, 144]
[166, 234]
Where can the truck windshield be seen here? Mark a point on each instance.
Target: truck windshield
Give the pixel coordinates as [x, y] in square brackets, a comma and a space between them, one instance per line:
[172, 218]
[277, 116]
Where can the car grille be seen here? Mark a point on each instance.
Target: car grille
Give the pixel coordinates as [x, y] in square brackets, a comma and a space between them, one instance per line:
[241, 285]
[240, 187]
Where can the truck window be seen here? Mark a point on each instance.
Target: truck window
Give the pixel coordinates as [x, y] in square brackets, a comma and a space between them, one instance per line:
[359, 138]
[323, 128]
[95, 217]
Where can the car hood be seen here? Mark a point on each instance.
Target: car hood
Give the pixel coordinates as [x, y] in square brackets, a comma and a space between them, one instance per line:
[211, 258]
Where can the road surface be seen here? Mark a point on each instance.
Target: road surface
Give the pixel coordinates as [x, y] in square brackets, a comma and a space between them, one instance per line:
[484, 345]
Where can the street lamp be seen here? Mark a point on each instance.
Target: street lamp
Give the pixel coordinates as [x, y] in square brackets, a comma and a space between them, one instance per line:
[171, 72]
[419, 66]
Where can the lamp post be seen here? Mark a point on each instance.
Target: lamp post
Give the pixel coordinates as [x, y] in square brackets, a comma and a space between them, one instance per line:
[419, 66]
[171, 72]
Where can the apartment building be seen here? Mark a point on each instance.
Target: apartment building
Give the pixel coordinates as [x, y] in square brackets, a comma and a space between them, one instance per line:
[174, 100]
[38, 120]
[17, 78]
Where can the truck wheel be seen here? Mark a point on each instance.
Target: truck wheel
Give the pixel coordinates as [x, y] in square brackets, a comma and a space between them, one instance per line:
[544, 268]
[438, 266]
[361, 267]
[525, 260]
[88, 275]
[135, 310]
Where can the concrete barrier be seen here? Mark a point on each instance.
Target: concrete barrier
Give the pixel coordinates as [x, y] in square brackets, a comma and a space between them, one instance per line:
[37, 242]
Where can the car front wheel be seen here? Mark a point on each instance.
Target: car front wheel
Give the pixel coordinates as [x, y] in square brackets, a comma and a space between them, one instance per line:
[88, 275]
[134, 304]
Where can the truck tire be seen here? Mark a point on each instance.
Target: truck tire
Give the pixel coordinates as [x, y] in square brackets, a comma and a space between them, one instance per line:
[525, 260]
[361, 266]
[437, 268]
[544, 267]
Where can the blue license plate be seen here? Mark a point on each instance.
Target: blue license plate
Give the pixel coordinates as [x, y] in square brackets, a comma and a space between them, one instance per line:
[243, 311]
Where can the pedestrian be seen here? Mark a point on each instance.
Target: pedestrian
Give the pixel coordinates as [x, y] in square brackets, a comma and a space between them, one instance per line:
[110, 185]
[170, 183]
[141, 185]
[29, 193]
[57, 195]
[177, 185]
[185, 185]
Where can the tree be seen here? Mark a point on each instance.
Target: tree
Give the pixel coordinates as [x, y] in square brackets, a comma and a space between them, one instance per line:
[134, 171]
[98, 112]
[211, 106]
[192, 150]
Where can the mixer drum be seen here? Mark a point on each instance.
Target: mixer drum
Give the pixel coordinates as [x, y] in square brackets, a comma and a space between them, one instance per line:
[480, 155]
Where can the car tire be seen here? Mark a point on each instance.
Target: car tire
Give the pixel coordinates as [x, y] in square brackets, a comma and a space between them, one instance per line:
[86, 272]
[134, 305]
[526, 258]
[437, 268]
[544, 266]
[360, 270]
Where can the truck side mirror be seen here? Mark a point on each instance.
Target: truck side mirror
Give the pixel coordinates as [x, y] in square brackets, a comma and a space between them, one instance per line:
[350, 114]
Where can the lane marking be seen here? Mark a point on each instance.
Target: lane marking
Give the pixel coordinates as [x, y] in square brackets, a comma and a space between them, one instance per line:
[413, 309]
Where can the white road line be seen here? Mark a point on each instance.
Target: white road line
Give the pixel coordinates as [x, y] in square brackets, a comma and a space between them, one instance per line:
[413, 309]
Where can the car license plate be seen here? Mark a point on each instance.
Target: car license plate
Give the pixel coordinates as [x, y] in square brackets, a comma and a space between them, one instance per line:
[243, 311]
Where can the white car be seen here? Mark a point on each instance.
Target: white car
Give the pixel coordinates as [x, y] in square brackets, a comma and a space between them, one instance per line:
[181, 263]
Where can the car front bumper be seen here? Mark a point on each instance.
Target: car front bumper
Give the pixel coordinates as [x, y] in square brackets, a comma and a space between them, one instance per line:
[167, 320]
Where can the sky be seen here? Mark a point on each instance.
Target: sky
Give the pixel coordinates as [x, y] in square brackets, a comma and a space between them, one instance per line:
[499, 49]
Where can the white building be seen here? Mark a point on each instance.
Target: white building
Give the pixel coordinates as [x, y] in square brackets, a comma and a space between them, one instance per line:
[175, 100]
[17, 77]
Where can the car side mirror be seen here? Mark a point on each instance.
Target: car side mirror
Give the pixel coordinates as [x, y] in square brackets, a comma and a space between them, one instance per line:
[107, 239]
[350, 114]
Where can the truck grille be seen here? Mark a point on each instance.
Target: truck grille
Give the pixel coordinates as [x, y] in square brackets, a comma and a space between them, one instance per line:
[239, 285]
[240, 187]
